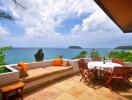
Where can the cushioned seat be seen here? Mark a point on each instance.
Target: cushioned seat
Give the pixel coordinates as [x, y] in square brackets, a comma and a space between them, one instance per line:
[36, 73]
[59, 68]
[39, 73]
[43, 72]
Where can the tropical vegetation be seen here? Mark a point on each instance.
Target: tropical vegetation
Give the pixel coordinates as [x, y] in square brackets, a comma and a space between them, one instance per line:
[60, 57]
[5, 15]
[121, 54]
[2, 55]
[124, 55]
[95, 55]
[82, 54]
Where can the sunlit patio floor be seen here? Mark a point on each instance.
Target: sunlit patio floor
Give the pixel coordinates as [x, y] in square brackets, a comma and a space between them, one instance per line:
[72, 89]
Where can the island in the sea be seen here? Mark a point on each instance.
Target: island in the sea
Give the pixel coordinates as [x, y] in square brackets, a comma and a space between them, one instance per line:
[124, 47]
[75, 47]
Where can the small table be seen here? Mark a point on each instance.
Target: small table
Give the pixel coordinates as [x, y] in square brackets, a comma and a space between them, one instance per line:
[12, 87]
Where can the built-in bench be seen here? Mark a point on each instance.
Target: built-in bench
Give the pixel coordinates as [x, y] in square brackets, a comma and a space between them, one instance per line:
[43, 72]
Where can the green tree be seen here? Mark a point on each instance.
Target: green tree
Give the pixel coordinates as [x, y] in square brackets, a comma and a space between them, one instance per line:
[124, 55]
[5, 15]
[95, 55]
[2, 55]
[82, 54]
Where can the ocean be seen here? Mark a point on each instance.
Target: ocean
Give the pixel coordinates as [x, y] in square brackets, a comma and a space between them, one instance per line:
[15, 55]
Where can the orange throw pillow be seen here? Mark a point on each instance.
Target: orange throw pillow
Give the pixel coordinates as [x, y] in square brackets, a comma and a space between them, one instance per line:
[23, 66]
[58, 62]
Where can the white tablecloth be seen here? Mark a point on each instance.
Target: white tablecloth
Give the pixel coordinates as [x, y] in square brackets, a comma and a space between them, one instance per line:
[100, 65]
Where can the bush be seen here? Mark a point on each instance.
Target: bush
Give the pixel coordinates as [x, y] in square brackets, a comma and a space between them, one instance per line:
[2, 55]
[60, 57]
[2, 58]
[95, 55]
[82, 54]
[124, 55]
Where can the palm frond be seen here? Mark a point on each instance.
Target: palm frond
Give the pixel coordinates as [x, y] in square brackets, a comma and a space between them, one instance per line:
[5, 15]
[20, 5]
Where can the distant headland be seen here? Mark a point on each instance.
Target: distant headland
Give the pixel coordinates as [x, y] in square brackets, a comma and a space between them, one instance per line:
[75, 47]
[124, 47]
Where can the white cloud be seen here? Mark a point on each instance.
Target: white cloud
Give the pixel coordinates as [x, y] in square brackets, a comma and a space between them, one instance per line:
[98, 30]
[3, 32]
[42, 17]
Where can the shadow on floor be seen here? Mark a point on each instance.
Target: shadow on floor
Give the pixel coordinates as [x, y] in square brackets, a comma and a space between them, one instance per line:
[120, 87]
[123, 89]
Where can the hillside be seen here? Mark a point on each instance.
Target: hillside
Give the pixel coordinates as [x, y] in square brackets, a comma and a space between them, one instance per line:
[124, 47]
[75, 47]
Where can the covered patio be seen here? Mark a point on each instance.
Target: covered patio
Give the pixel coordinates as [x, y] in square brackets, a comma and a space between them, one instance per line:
[46, 82]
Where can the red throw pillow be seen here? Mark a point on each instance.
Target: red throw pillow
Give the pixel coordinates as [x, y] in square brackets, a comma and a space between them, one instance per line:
[58, 62]
[23, 66]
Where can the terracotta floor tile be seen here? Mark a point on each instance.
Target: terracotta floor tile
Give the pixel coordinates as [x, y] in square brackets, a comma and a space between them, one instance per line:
[75, 91]
[66, 96]
[49, 93]
[73, 83]
[87, 96]
[64, 86]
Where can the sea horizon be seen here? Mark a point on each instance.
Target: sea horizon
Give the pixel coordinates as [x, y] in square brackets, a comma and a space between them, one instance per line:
[67, 47]
[26, 54]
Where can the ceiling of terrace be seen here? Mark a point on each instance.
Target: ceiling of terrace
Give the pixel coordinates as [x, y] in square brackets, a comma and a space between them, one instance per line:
[120, 11]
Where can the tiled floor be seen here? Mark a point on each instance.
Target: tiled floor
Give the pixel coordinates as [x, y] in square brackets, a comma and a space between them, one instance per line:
[72, 89]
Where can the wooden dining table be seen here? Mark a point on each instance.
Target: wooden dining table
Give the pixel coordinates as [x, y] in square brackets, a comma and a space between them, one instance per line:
[101, 66]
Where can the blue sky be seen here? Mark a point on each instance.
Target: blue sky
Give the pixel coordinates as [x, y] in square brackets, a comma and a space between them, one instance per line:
[55, 23]
[67, 25]
[12, 27]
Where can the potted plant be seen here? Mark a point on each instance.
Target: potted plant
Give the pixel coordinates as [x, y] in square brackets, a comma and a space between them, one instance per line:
[95, 55]
[4, 69]
[7, 73]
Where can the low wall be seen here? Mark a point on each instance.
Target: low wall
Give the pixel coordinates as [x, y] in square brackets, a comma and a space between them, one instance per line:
[74, 63]
[76, 67]
[128, 64]
[9, 77]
